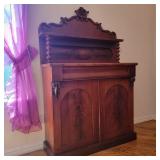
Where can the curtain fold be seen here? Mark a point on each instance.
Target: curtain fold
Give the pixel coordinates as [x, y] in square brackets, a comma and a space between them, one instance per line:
[21, 102]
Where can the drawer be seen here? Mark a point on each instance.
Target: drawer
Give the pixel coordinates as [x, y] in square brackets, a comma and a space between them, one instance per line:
[85, 71]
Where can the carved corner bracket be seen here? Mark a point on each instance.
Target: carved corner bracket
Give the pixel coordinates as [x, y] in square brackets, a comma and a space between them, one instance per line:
[132, 76]
[131, 81]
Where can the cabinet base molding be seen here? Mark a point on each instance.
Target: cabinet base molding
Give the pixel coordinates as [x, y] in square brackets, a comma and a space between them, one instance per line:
[94, 147]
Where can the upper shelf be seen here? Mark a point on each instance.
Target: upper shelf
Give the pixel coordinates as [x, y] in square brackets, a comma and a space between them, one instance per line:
[77, 39]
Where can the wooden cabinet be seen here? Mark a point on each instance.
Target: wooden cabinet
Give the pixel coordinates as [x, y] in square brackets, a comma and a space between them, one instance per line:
[88, 94]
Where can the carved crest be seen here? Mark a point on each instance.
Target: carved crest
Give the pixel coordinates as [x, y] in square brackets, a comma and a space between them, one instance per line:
[81, 13]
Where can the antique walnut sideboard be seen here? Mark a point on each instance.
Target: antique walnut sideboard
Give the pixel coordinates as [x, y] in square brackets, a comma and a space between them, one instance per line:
[88, 93]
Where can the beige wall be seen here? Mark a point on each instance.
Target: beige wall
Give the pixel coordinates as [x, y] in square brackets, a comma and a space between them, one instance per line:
[133, 23]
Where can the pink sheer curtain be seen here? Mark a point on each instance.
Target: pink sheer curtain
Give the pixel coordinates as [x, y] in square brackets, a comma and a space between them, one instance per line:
[21, 103]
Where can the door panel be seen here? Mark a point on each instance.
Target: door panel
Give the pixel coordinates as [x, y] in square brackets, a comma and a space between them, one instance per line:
[116, 110]
[76, 114]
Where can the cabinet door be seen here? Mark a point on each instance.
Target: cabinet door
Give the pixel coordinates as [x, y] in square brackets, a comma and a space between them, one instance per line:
[75, 115]
[116, 101]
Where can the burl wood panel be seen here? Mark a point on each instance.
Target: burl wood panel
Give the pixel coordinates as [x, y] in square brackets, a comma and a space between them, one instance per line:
[78, 118]
[116, 112]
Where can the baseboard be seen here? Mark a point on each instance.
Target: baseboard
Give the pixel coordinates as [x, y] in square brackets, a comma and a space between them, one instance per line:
[23, 149]
[144, 118]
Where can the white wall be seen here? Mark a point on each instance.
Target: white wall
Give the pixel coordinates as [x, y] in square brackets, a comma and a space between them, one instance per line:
[133, 23]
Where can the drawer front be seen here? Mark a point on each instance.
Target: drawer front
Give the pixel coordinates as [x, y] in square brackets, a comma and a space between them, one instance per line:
[83, 72]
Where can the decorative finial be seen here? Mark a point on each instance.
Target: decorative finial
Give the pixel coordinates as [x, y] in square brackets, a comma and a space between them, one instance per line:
[81, 13]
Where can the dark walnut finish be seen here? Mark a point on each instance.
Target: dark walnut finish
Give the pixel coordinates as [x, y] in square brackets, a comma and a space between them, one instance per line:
[77, 39]
[88, 94]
